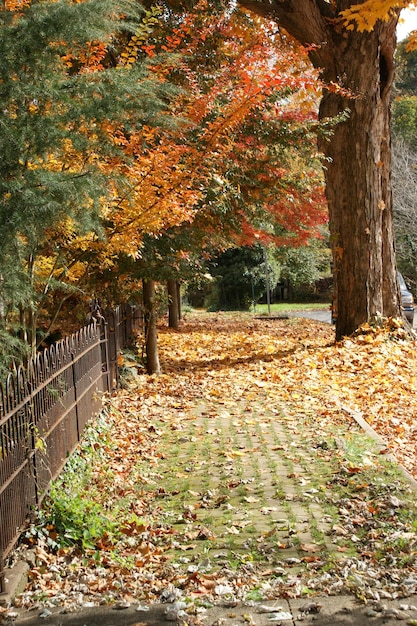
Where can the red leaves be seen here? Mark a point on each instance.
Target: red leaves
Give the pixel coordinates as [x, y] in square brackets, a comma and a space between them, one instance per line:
[224, 98]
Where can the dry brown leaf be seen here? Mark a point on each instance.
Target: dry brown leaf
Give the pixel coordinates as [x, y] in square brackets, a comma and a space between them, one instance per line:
[309, 547]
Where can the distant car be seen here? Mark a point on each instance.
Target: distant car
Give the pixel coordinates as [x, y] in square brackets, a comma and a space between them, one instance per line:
[407, 300]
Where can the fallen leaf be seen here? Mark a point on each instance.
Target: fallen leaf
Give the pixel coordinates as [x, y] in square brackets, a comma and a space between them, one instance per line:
[309, 547]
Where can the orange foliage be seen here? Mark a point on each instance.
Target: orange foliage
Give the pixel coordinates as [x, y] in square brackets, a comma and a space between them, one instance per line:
[16, 5]
[166, 169]
[250, 421]
[89, 58]
[171, 168]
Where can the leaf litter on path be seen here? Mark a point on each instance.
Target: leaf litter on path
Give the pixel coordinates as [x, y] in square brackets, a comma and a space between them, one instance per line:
[237, 475]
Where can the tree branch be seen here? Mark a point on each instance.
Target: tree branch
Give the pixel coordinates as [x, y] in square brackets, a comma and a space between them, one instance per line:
[305, 20]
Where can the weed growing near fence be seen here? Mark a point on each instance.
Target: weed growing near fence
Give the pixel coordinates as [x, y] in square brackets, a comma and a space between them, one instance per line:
[71, 513]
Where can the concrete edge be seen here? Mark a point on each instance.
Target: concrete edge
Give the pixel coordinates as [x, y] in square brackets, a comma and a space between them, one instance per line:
[357, 417]
[272, 317]
[16, 579]
[340, 610]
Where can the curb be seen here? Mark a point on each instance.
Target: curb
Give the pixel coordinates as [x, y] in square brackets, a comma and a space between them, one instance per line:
[318, 611]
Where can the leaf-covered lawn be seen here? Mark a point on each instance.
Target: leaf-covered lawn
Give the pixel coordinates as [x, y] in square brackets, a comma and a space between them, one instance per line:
[239, 473]
[375, 373]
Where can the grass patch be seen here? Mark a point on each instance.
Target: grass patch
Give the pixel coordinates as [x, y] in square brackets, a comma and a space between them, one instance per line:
[282, 307]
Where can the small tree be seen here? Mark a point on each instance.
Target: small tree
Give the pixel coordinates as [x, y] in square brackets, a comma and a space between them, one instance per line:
[151, 334]
[303, 266]
[240, 277]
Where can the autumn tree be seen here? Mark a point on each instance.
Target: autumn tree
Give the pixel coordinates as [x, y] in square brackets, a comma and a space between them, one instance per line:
[212, 180]
[235, 82]
[353, 44]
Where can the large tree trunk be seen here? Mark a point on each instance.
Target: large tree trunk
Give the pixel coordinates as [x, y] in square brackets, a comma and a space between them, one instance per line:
[358, 154]
[173, 307]
[151, 338]
[358, 184]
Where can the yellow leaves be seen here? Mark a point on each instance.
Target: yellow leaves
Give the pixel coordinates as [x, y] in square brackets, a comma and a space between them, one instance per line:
[66, 158]
[33, 107]
[127, 58]
[411, 41]
[12, 110]
[162, 471]
[364, 16]
[138, 42]
[162, 193]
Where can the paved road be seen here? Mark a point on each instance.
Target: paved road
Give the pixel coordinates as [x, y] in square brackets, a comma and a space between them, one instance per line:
[321, 315]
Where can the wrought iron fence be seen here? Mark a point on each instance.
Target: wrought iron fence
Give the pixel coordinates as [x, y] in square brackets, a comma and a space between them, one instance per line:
[44, 408]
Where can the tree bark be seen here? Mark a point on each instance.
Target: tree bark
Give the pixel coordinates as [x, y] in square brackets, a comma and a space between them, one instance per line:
[357, 164]
[151, 337]
[178, 286]
[173, 311]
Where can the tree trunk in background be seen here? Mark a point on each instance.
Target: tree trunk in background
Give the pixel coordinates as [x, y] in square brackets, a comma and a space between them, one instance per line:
[357, 164]
[151, 337]
[173, 317]
[178, 286]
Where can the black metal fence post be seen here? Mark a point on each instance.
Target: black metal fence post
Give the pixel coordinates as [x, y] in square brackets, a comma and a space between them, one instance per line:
[105, 361]
[2, 574]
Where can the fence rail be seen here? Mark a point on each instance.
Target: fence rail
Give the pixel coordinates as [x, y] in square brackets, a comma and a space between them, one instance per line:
[44, 408]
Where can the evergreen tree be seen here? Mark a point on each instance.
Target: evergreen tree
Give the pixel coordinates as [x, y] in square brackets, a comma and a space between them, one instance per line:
[62, 96]
[240, 277]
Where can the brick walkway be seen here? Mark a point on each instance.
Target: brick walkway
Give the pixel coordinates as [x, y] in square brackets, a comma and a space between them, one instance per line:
[258, 479]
